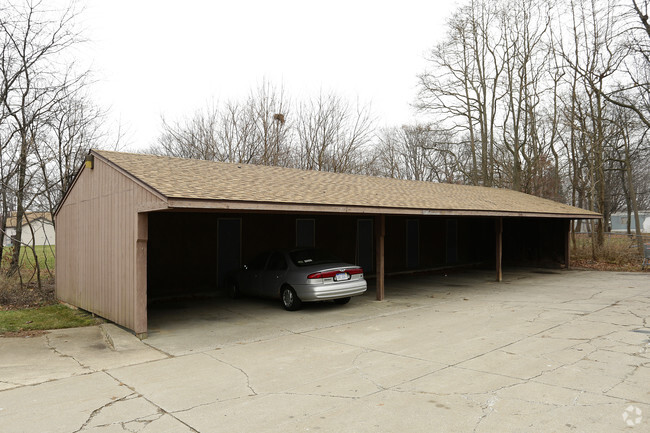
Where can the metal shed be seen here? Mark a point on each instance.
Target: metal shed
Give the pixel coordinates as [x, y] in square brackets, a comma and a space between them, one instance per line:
[129, 222]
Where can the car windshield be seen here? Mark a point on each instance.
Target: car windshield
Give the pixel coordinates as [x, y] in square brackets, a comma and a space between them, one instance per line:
[308, 257]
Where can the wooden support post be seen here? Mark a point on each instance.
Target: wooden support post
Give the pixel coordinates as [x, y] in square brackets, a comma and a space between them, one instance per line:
[141, 276]
[380, 232]
[499, 249]
[567, 240]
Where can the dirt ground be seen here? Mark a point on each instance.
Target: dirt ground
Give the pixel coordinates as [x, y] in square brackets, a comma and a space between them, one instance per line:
[14, 297]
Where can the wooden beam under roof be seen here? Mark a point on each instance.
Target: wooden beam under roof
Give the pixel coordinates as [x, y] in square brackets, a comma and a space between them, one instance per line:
[499, 247]
[380, 233]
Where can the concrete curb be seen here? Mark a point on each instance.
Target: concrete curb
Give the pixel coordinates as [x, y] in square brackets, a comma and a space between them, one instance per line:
[107, 335]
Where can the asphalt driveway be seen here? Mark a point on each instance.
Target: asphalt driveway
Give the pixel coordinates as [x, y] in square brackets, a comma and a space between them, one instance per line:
[561, 351]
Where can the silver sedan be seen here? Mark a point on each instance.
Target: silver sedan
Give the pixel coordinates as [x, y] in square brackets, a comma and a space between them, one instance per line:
[297, 276]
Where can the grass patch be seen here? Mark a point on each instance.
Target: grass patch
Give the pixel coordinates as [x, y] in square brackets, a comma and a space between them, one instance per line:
[26, 275]
[48, 317]
[46, 255]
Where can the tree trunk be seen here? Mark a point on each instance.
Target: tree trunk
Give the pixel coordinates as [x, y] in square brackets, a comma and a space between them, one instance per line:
[3, 222]
[632, 199]
[37, 265]
[600, 170]
[20, 211]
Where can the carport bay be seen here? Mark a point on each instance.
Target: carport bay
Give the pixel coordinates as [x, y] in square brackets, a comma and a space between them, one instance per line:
[193, 252]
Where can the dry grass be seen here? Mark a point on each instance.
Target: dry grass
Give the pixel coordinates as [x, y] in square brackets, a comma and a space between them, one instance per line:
[619, 253]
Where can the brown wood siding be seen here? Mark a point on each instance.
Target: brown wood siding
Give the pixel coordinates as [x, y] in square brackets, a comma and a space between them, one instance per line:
[97, 233]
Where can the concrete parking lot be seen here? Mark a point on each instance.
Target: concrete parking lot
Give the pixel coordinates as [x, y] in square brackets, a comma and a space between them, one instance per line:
[543, 351]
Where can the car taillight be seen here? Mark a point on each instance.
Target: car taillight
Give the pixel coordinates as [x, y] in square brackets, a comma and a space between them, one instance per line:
[332, 274]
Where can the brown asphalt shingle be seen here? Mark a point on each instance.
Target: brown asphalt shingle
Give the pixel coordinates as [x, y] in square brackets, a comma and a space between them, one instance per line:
[33, 216]
[207, 180]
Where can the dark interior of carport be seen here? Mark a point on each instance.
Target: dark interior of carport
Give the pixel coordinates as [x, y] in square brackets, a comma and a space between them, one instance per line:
[191, 253]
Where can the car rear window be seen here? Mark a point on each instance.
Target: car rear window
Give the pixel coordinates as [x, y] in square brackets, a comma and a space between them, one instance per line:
[309, 257]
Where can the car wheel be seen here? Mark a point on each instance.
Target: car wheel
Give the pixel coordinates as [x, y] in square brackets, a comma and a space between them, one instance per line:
[233, 290]
[290, 301]
[342, 301]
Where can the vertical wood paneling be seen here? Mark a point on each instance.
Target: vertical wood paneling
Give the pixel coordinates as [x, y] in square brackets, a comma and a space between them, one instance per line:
[98, 243]
[142, 226]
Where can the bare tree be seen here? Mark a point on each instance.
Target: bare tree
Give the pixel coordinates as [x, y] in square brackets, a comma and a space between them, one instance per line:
[269, 109]
[195, 137]
[525, 28]
[256, 130]
[599, 56]
[74, 126]
[35, 79]
[633, 93]
[420, 152]
[333, 134]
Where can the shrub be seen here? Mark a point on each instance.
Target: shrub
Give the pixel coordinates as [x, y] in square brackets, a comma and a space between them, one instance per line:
[619, 252]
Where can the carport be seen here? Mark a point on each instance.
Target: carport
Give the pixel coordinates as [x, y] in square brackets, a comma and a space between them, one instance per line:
[133, 227]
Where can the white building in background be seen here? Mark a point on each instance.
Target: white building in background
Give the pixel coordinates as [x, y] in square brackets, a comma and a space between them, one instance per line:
[619, 222]
[41, 224]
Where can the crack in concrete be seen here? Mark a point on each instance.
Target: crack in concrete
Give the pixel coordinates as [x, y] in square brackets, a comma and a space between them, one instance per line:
[408, 308]
[207, 404]
[241, 370]
[385, 352]
[487, 409]
[144, 420]
[23, 385]
[643, 318]
[627, 376]
[97, 411]
[63, 355]
[467, 395]
[168, 355]
[315, 394]
[586, 299]
[11, 383]
[609, 322]
[160, 409]
[143, 423]
[365, 376]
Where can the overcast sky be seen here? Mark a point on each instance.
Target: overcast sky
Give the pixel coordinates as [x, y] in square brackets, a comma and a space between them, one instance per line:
[154, 58]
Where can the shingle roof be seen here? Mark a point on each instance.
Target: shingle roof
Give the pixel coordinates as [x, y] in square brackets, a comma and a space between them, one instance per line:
[33, 216]
[207, 180]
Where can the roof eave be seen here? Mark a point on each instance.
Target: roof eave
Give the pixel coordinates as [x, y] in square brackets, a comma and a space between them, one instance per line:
[130, 175]
[256, 206]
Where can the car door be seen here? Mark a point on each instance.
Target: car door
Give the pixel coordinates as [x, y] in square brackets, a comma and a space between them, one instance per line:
[252, 276]
[274, 275]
